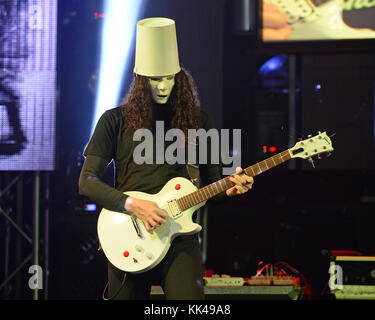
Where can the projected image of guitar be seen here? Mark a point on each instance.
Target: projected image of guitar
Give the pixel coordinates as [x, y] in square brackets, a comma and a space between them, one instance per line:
[130, 247]
[309, 20]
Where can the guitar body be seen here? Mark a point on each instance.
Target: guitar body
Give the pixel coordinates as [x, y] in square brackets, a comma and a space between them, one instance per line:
[126, 242]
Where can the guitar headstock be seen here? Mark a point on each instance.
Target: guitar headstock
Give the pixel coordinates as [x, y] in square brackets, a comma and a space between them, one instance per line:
[312, 146]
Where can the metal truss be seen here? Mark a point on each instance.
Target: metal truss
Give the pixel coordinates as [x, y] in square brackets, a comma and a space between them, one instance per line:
[34, 241]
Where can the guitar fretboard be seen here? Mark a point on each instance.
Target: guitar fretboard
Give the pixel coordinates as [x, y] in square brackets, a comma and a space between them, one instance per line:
[213, 189]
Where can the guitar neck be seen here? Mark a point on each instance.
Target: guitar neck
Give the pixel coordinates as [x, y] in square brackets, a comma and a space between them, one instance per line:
[224, 184]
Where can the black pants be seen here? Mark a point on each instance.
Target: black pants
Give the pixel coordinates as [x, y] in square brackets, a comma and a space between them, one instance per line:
[180, 274]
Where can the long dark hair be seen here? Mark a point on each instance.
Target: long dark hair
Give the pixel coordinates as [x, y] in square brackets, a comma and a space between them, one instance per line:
[184, 100]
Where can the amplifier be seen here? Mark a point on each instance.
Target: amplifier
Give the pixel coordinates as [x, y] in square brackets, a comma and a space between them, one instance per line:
[224, 281]
[242, 293]
[352, 277]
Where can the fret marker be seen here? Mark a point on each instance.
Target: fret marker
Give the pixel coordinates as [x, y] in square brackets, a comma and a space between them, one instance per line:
[177, 187]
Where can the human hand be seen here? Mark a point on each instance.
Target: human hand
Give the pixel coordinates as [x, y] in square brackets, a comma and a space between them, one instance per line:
[275, 24]
[243, 183]
[147, 211]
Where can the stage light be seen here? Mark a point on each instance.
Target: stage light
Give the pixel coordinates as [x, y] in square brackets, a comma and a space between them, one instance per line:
[98, 15]
[272, 149]
[274, 64]
[118, 32]
[318, 87]
[90, 207]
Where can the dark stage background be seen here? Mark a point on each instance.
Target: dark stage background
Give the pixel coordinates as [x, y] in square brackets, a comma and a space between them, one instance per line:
[293, 212]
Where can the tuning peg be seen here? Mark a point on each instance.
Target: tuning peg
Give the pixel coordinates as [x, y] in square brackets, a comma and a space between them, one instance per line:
[312, 162]
[332, 135]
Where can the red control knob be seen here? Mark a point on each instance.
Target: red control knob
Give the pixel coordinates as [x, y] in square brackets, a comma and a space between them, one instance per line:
[126, 254]
[177, 187]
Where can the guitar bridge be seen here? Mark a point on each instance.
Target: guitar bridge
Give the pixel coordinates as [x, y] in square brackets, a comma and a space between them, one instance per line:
[173, 209]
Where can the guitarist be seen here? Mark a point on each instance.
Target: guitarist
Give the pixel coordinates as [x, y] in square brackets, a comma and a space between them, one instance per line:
[161, 90]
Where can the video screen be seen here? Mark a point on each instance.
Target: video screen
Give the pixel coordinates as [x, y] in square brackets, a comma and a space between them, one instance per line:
[293, 20]
[28, 33]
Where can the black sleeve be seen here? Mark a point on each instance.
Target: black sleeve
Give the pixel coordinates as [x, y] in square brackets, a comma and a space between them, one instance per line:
[91, 185]
[209, 172]
[99, 153]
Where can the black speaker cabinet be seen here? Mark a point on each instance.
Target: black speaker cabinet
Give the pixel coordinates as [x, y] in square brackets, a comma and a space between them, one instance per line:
[78, 270]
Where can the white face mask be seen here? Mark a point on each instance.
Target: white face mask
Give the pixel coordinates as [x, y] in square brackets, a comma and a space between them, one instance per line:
[161, 88]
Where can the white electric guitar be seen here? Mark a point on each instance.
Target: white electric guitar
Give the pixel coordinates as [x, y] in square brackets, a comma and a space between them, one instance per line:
[130, 247]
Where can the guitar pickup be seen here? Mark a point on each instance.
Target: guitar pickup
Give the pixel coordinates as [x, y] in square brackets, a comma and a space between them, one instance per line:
[173, 209]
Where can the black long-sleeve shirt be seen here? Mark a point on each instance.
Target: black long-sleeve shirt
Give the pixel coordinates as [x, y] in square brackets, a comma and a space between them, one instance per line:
[113, 140]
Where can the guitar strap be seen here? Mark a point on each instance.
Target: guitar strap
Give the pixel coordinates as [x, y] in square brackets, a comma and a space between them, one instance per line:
[193, 171]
